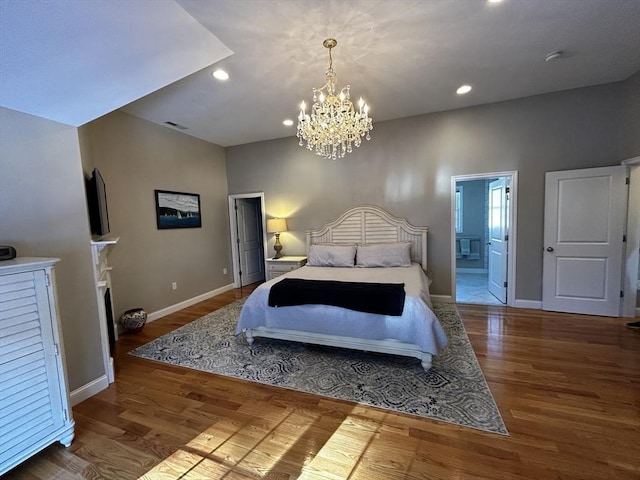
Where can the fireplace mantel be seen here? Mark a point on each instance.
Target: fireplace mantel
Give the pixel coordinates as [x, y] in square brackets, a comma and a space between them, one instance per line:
[100, 248]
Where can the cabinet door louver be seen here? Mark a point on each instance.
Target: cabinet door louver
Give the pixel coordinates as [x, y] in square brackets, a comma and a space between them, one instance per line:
[30, 400]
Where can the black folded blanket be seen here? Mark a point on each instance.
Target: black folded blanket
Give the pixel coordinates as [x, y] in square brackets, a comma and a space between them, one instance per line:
[380, 298]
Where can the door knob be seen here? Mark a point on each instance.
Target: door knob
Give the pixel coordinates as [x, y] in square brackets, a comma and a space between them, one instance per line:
[549, 249]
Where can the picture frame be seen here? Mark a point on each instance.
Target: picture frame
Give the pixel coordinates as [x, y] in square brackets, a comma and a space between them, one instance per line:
[177, 210]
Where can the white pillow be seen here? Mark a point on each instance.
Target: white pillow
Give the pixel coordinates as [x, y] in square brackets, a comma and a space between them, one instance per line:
[384, 255]
[323, 255]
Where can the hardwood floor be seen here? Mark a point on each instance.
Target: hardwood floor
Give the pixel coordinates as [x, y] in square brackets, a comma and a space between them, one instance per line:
[568, 388]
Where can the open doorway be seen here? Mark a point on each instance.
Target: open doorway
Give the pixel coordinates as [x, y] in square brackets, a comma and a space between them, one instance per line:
[483, 238]
[631, 284]
[248, 240]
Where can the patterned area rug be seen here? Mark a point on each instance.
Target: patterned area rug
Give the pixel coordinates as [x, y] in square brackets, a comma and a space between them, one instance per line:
[453, 391]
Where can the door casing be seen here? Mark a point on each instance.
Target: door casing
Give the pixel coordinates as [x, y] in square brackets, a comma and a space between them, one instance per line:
[511, 242]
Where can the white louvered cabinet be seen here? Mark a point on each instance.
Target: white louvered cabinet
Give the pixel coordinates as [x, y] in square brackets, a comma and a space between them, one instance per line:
[34, 399]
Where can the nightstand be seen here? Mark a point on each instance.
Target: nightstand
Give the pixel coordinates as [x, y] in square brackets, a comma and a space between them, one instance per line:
[276, 267]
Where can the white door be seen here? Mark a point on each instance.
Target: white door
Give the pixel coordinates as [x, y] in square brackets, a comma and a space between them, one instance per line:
[498, 231]
[250, 249]
[584, 217]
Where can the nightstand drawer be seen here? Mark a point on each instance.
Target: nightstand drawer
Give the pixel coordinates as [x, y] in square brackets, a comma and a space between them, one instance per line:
[282, 267]
[276, 267]
[273, 274]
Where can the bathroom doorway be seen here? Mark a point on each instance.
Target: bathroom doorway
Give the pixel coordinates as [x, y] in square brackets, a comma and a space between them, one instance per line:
[483, 212]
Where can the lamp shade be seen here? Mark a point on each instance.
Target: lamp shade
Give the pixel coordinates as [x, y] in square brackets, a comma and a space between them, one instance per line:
[276, 225]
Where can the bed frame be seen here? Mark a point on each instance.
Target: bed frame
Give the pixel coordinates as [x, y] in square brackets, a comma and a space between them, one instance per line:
[370, 225]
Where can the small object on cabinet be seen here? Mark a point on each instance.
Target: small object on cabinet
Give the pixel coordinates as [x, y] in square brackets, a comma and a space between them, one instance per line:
[7, 252]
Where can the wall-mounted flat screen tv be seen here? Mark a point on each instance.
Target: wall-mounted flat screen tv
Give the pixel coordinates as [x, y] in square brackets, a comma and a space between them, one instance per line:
[97, 201]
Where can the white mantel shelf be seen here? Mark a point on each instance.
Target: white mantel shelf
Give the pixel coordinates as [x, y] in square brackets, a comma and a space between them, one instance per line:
[98, 244]
[104, 241]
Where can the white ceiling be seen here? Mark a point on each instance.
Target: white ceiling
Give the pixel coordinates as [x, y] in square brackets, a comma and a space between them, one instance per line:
[73, 61]
[405, 57]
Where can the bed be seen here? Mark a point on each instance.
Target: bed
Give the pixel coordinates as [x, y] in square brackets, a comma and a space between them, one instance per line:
[367, 230]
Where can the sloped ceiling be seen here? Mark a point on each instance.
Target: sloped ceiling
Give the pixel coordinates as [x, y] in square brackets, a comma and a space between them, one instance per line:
[75, 60]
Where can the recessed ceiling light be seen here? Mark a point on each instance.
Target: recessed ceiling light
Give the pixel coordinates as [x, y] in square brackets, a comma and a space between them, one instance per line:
[221, 75]
[494, 1]
[463, 89]
[288, 122]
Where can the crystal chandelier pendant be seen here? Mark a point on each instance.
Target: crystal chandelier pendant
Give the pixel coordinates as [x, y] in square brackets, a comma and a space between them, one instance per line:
[333, 125]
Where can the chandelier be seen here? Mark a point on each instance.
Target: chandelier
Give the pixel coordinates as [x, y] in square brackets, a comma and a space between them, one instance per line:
[333, 125]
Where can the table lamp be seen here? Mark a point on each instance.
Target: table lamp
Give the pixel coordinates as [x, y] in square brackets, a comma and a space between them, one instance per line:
[276, 226]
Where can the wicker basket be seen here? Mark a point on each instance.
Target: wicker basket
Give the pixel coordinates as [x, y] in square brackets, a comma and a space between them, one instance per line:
[133, 320]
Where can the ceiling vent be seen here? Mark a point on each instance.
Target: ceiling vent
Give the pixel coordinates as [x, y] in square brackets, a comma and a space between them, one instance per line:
[176, 125]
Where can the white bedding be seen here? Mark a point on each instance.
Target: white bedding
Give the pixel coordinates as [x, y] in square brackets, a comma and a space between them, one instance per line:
[417, 325]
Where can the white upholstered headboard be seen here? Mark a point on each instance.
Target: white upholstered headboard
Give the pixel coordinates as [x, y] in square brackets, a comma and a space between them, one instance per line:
[369, 224]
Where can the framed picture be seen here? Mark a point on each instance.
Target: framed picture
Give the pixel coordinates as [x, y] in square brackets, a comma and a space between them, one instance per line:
[177, 210]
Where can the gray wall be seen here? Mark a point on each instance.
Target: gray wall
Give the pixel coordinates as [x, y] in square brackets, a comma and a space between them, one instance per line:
[407, 166]
[135, 157]
[630, 124]
[43, 213]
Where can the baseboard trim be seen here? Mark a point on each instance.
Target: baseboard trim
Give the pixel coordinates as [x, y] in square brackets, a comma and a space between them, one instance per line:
[88, 390]
[533, 304]
[472, 270]
[442, 298]
[187, 303]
